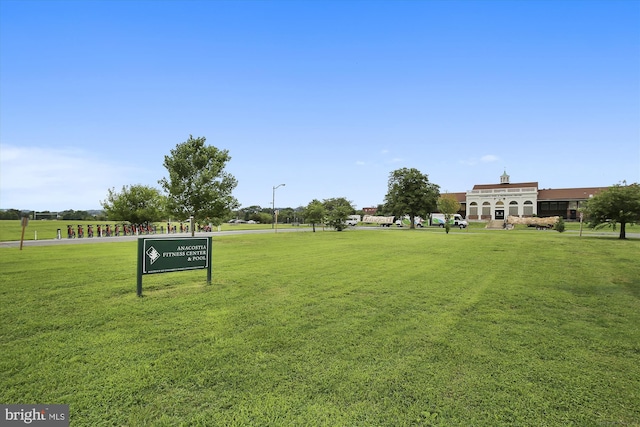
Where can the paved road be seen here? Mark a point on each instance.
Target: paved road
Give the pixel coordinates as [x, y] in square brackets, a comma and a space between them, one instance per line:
[64, 241]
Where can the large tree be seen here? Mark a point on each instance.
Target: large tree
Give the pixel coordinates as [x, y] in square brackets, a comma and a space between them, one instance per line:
[198, 185]
[448, 205]
[617, 204]
[410, 193]
[314, 213]
[337, 211]
[137, 204]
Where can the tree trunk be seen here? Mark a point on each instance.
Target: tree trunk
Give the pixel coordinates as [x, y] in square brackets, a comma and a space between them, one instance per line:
[623, 231]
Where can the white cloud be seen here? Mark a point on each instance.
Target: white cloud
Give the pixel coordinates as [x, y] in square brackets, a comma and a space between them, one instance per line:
[489, 158]
[360, 163]
[56, 179]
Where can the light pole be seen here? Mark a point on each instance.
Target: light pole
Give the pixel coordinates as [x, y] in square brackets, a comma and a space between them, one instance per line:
[273, 205]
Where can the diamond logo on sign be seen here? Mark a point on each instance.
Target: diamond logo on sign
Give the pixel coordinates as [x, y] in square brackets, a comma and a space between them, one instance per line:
[153, 254]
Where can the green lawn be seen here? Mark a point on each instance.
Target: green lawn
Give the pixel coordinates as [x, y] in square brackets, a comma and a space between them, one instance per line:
[365, 327]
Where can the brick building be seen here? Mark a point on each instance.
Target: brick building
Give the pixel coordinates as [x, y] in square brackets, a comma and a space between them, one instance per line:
[497, 201]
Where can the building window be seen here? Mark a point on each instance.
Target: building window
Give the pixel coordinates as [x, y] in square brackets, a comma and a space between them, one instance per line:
[486, 209]
[473, 209]
[553, 208]
[513, 208]
[528, 208]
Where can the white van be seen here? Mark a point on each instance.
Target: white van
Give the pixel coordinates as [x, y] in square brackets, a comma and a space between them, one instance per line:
[437, 219]
[406, 220]
[353, 220]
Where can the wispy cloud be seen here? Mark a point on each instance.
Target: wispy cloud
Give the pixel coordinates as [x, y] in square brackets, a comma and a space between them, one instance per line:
[487, 158]
[56, 179]
[360, 163]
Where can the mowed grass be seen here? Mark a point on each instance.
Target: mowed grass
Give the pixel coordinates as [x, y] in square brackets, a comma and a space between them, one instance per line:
[364, 327]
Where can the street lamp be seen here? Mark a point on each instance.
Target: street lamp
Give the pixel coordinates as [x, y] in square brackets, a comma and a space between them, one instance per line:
[273, 204]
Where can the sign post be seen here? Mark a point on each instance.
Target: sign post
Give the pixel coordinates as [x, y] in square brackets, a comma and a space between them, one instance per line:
[24, 223]
[168, 254]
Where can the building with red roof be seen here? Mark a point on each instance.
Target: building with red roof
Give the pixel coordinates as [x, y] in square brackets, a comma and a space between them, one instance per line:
[487, 202]
[497, 201]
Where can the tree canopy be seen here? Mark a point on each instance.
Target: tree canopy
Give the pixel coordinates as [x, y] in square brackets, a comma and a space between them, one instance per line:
[314, 213]
[617, 204]
[137, 204]
[410, 193]
[448, 205]
[10, 214]
[71, 214]
[337, 211]
[198, 185]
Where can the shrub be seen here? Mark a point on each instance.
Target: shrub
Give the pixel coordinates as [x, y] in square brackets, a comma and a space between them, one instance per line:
[559, 226]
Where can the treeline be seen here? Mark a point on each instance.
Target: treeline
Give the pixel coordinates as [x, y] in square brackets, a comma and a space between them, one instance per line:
[265, 215]
[12, 214]
[285, 215]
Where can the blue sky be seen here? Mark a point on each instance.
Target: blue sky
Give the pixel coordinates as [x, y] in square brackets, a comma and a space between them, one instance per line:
[327, 97]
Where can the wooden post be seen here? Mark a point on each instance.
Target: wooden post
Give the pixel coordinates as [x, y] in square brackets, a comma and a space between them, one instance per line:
[581, 216]
[24, 223]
